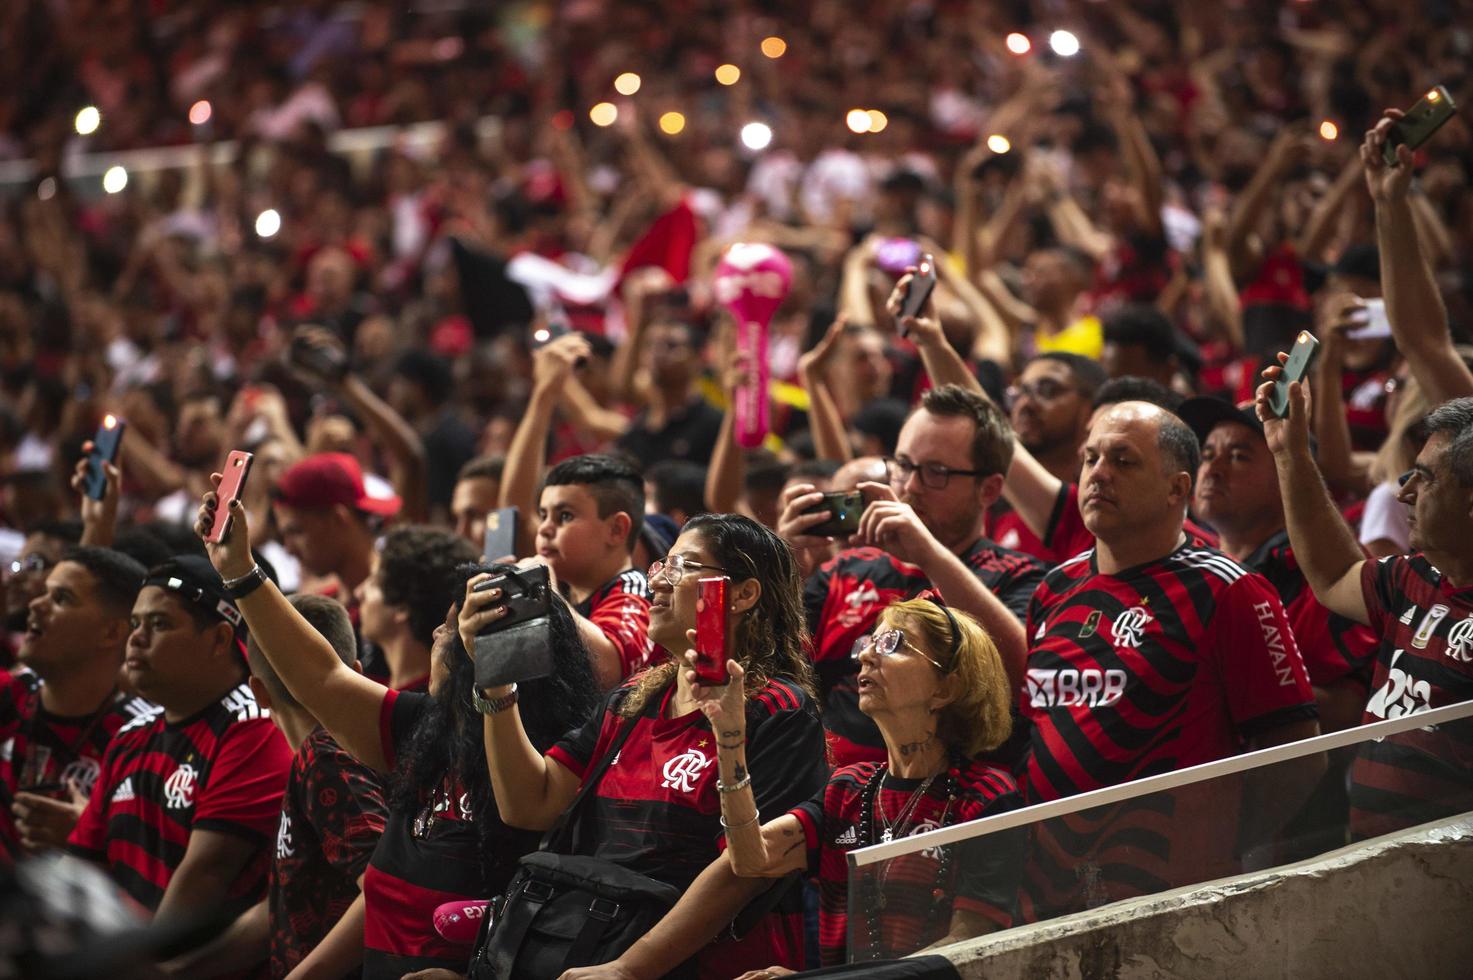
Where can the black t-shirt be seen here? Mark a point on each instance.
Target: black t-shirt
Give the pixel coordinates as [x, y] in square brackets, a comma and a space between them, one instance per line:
[689, 433]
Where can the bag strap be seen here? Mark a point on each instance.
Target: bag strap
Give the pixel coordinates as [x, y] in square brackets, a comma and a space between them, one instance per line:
[565, 819]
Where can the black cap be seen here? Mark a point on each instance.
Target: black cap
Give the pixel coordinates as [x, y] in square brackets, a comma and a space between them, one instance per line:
[195, 580]
[1202, 414]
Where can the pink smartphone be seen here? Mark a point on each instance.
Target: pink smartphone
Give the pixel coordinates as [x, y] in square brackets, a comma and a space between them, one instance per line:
[711, 631]
[232, 482]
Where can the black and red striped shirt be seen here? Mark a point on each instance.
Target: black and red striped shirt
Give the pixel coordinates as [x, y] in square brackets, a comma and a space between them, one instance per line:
[621, 609]
[1425, 662]
[1333, 646]
[843, 601]
[657, 811]
[1066, 536]
[38, 748]
[982, 873]
[224, 769]
[1165, 665]
[332, 815]
[409, 876]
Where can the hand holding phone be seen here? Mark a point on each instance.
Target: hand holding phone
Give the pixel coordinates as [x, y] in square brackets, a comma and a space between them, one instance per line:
[918, 293]
[1418, 123]
[232, 483]
[1301, 355]
[711, 632]
[105, 446]
[844, 511]
[319, 354]
[1375, 324]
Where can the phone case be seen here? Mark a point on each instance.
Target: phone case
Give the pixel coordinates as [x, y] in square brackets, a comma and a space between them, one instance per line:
[845, 509]
[1420, 122]
[711, 631]
[1295, 369]
[526, 592]
[105, 446]
[232, 482]
[517, 647]
[501, 534]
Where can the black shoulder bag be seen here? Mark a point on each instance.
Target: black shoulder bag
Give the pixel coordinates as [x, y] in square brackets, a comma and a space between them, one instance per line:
[565, 910]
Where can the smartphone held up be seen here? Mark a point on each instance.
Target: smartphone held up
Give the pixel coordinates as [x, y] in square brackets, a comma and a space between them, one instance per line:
[1301, 355]
[918, 292]
[1418, 123]
[232, 485]
[105, 446]
[711, 631]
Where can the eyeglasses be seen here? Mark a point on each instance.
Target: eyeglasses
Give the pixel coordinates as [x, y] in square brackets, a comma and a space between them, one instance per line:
[887, 642]
[29, 563]
[1043, 390]
[934, 476]
[672, 569]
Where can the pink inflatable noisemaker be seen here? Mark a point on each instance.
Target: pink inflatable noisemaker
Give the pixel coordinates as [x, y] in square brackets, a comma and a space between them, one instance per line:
[751, 281]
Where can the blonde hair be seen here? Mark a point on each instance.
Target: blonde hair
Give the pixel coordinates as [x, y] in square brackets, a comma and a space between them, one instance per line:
[979, 717]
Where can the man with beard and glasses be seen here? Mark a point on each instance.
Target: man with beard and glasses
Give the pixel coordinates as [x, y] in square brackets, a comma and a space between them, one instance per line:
[921, 530]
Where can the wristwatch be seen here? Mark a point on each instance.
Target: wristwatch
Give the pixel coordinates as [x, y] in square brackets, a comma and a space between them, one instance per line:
[493, 706]
[239, 588]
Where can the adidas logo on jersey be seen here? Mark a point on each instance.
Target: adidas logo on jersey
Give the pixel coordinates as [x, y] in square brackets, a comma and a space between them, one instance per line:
[848, 837]
[1065, 688]
[124, 792]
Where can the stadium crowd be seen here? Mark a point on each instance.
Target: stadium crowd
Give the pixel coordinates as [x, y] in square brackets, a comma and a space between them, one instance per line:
[1089, 547]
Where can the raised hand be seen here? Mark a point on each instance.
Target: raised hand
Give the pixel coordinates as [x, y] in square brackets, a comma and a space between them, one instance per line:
[893, 526]
[1287, 435]
[923, 329]
[99, 517]
[814, 362]
[231, 555]
[725, 705]
[554, 363]
[1385, 183]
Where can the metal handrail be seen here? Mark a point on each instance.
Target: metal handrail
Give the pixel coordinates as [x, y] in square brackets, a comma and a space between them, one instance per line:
[1155, 784]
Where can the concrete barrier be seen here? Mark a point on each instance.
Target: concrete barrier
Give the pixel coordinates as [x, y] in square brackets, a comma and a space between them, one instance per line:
[1397, 907]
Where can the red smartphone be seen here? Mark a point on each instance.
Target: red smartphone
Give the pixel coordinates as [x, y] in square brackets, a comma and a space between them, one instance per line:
[711, 631]
[232, 482]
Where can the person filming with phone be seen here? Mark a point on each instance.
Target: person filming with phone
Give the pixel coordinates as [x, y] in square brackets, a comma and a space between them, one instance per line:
[933, 682]
[649, 759]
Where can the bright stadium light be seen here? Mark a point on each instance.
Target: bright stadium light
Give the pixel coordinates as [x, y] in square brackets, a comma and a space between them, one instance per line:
[1064, 43]
[756, 136]
[88, 119]
[268, 223]
[115, 179]
[1019, 44]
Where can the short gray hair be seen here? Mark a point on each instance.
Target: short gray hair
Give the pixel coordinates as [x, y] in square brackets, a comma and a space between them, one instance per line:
[1456, 419]
[1178, 444]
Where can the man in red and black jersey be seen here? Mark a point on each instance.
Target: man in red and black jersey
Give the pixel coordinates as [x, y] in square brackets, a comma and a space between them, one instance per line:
[1150, 653]
[184, 809]
[589, 515]
[332, 816]
[1420, 605]
[58, 715]
[922, 531]
[398, 604]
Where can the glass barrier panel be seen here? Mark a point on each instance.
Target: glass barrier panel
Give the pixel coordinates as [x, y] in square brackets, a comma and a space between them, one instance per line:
[1275, 814]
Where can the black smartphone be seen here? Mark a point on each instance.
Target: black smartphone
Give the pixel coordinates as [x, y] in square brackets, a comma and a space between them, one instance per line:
[500, 539]
[922, 282]
[526, 593]
[325, 362]
[554, 328]
[1301, 355]
[1420, 122]
[844, 510]
[105, 446]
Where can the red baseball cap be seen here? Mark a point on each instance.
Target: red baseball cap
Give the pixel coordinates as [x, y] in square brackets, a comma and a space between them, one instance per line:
[328, 479]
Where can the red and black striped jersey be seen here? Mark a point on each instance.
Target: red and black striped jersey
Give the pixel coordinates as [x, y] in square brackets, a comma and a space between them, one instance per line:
[1332, 645]
[843, 601]
[657, 811]
[1425, 662]
[915, 905]
[224, 769]
[332, 815]
[38, 748]
[411, 874]
[1066, 536]
[1165, 665]
[621, 609]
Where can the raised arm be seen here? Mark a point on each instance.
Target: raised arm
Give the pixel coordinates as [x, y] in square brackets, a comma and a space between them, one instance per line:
[942, 363]
[531, 789]
[1320, 228]
[1224, 312]
[99, 517]
[347, 703]
[728, 470]
[1141, 163]
[1290, 147]
[825, 421]
[1337, 460]
[552, 365]
[1323, 543]
[1413, 304]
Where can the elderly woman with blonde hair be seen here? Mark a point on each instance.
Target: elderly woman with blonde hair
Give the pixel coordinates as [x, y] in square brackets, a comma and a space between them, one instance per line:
[934, 683]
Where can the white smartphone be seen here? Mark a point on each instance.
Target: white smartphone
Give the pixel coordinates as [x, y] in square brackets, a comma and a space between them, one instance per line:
[1377, 326]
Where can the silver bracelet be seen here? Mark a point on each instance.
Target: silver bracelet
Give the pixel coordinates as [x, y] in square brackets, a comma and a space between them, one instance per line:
[731, 826]
[493, 706]
[235, 583]
[740, 784]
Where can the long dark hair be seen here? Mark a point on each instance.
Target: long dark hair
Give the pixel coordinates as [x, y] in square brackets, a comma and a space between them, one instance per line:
[448, 738]
[772, 639]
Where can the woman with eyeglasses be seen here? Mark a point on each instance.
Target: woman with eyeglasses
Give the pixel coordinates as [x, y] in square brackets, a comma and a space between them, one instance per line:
[656, 810]
[934, 684]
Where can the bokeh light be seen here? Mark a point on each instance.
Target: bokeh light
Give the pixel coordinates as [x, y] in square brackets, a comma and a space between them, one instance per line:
[268, 223]
[604, 114]
[756, 135]
[857, 120]
[774, 47]
[627, 83]
[200, 112]
[1064, 43]
[672, 123]
[1019, 43]
[998, 143]
[1328, 130]
[728, 74]
[88, 119]
[877, 120]
[115, 179]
